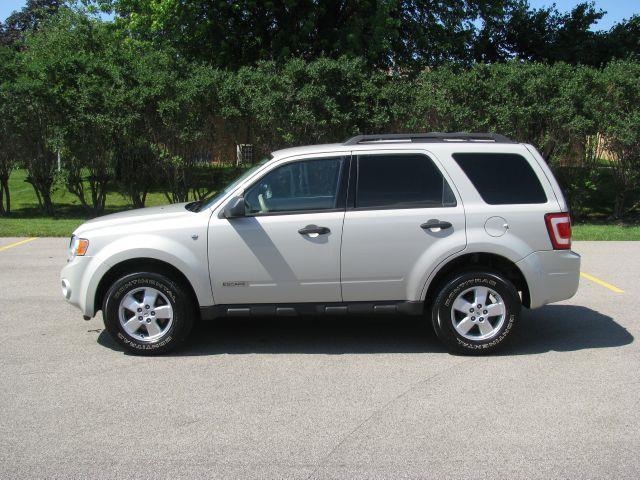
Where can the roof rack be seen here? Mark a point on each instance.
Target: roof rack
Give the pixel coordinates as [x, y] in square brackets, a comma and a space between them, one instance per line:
[431, 137]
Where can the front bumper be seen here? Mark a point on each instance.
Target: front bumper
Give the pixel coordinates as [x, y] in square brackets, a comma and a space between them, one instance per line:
[73, 284]
[551, 275]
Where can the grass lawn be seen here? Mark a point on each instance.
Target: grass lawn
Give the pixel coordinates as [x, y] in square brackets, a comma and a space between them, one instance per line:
[27, 221]
[605, 232]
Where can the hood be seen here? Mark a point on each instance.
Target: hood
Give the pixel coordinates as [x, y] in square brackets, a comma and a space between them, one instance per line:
[135, 217]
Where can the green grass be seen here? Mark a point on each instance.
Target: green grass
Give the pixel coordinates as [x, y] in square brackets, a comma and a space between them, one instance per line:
[605, 232]
[27, 221]
[38, 227]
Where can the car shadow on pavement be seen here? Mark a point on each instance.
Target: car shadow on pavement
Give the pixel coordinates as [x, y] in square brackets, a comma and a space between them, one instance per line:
[552, 328]
[565, 328]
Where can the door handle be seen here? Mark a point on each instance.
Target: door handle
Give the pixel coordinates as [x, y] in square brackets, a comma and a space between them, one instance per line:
[310, 229]
[434, 223]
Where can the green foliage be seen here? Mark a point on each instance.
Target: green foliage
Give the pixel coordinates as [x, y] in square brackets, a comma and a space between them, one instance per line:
[618, 111]
[73, 62]
[29, 19]
[531, 102]
[136, 116]
[300, 102]
[8, 126]
[388, 34]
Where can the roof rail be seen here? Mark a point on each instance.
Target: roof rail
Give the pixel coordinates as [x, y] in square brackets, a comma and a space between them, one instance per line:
[431, 137]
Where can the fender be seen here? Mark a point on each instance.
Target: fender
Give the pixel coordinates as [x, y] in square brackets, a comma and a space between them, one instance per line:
[152, 246]
[487, 248]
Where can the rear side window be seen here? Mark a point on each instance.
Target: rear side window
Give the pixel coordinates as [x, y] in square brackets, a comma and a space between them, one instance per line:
[502, 178]
[401, 181]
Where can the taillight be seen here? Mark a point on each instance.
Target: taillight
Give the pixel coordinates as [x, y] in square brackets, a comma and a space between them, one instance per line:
[559, 228]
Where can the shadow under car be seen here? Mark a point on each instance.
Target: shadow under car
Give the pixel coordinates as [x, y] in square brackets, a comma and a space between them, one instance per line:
[559, 328]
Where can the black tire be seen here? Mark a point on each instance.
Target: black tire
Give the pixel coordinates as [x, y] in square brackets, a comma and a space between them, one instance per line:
[443, 323]
[179, 298]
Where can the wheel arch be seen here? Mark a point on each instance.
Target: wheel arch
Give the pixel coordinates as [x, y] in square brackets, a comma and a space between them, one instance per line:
[479, 260]
[134, 265]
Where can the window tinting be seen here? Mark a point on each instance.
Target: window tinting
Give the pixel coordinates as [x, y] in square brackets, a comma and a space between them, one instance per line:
[501, 178]
[401, 181]
[297, 186]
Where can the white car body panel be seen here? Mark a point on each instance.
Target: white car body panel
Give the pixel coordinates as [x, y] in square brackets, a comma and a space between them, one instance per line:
[372, 270]
[263, 259]
[159, 233]
[385, 253]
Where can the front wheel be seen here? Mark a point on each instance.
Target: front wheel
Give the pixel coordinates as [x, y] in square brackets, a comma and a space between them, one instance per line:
[474, 313]
[148, 313]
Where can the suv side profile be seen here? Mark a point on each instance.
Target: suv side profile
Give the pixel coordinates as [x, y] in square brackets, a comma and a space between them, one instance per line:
[462, 228]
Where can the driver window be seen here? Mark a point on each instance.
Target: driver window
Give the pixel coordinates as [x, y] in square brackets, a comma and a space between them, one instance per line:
[296, 186]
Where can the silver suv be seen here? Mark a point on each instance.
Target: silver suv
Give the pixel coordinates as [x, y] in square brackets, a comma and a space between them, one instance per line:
[461, 228]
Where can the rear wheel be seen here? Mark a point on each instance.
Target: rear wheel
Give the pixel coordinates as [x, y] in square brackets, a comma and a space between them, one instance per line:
[476, 312]
[148, 313]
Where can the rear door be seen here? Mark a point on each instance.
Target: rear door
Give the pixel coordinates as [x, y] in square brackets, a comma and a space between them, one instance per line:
[403, 218]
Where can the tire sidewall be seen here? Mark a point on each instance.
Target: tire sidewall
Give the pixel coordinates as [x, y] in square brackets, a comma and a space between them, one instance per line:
[180, 326]
[441, 313]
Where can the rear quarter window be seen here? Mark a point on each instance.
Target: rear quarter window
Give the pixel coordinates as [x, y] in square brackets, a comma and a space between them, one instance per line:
[502, 178]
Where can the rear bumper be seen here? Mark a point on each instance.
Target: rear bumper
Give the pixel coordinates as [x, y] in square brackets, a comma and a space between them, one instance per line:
[551, 275]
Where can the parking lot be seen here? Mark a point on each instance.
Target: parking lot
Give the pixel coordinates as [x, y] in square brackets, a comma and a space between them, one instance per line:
[320, 398]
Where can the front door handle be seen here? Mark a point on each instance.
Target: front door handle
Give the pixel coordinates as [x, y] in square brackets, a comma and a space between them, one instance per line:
[311, 229]
[434, 223]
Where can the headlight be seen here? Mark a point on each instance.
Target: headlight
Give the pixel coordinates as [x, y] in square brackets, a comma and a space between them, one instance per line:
[77, 246]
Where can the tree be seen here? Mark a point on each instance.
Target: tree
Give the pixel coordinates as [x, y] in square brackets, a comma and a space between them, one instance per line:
[232, 33]
[36, 137]
[9, 143]
[622, 41]
[617, 102]
[302, 102]
[29, 19]
[180, 107]
[533, 103]
[388, 34]
[70, 62]
[548, 35]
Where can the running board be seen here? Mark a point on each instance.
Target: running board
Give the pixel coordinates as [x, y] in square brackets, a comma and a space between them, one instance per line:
[296, 309]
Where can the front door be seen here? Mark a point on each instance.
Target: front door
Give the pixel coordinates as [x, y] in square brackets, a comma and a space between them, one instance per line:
[287, 247]
[402, 219]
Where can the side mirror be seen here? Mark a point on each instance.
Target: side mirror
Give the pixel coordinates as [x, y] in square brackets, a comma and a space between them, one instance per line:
[234, 208]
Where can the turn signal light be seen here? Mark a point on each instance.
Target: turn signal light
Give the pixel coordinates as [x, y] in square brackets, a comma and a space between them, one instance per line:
[83, 246]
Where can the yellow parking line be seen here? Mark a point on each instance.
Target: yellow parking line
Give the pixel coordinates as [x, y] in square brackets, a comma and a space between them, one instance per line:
[601, 282]
[21, 242]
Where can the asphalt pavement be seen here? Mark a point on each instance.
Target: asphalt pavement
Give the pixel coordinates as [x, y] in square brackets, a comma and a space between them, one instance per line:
[303, 398]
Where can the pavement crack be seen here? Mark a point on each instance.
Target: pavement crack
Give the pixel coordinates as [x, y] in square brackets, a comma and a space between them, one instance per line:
[343, 440]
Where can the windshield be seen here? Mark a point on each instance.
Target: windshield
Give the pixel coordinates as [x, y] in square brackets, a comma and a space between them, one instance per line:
[208, 201]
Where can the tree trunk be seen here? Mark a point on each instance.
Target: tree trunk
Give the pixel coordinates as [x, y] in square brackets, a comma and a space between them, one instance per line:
[547, 151]
[78, 190]
[2, 211]
[47, 203]
[6, 209]
[38, 196]
[618, 206]
[138, 199]
[98, 197]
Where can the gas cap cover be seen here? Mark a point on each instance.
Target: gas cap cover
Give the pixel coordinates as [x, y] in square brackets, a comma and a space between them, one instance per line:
[496, 226]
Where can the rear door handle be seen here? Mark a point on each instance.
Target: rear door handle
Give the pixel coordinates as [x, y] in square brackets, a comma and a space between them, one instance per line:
[434, 223]
[310, 229]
